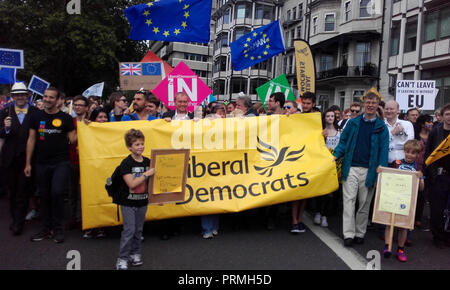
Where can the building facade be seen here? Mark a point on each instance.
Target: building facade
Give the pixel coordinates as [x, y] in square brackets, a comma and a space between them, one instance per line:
[357, 45]
[418, 45]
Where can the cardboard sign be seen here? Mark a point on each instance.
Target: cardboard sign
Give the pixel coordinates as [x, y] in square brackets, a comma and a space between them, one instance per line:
[168, 184]
[137, 75]
[416, 94]
[396, 196]
[182, 79]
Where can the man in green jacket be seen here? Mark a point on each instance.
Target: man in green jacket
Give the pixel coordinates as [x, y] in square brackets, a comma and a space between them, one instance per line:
[364, 145]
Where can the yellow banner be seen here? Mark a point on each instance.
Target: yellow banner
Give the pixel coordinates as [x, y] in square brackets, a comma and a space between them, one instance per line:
[442, 150]
[235, 164]
[306, 71]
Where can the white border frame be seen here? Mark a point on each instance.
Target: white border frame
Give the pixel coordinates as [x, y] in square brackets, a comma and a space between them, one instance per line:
[21, 58]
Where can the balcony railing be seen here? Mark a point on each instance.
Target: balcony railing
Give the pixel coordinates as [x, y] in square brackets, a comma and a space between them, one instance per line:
[368, 70]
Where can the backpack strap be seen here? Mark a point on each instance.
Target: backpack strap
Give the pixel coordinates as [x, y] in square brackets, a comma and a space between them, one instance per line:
[118, 214]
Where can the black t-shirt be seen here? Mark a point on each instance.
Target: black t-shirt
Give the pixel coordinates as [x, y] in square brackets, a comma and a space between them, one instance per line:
[52, 145]
[138, 196]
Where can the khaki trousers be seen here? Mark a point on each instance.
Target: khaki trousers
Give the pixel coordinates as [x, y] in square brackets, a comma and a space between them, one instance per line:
[354, 187]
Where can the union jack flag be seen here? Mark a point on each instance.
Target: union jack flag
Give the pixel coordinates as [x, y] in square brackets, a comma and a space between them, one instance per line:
[131, 69]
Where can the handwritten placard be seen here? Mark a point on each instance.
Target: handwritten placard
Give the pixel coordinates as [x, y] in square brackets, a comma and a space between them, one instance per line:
[168, 184]
[396, 197]
[169, 173]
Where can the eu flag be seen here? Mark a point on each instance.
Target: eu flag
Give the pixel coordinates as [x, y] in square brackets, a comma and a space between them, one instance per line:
[38, 85]
[257, 46]
[7, 75]
[171, 20]
[11, 58]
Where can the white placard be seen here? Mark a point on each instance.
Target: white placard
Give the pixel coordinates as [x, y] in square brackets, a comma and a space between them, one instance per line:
[416, 94]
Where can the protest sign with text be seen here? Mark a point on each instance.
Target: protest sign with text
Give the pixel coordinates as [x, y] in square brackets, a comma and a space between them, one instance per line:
[416, 94]
[182, 79]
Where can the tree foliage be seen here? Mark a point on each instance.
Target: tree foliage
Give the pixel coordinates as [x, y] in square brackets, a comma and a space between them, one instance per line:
[72, 52]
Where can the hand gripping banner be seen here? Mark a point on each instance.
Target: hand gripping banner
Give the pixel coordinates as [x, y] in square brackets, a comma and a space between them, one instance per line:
[235, 164]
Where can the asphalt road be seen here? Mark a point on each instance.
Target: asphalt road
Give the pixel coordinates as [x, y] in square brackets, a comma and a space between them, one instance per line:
[246, 247]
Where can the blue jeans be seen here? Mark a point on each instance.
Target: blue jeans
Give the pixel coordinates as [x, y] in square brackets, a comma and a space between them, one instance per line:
[210, 223]
[52, 184]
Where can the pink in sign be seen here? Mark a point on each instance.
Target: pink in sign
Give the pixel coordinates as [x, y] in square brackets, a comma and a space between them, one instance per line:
[182, 79]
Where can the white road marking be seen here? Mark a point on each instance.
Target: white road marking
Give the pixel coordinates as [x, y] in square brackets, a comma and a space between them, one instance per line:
[348, 255]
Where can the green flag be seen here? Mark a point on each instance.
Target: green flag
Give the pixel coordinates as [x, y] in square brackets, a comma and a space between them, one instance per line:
[278, 84]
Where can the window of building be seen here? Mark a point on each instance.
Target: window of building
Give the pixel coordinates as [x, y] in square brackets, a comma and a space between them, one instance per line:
[329, 22]
[288, 15]
[300, 10]
[259, 12]
[219, 87]
[239, 32]
[264, 65]
[395, 37]
[291, 43]
[291, 65]
[344, 55]
[226, 17]
[286, 39]
[238, 85]
[444, 26]
[285, 65]
[326, 62]
[362, 54]
[269, 12]
[363, 8]
[294, 13]
[299, 31]
[347, 11]
[220, 64]
[411, 34]
[357, 94]
[255, 83]
[243, 11]
[315, 25]
[324, 102]
[342, 99]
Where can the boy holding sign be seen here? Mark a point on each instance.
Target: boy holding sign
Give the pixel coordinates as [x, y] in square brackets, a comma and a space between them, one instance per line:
[412, 149]
[133, 204]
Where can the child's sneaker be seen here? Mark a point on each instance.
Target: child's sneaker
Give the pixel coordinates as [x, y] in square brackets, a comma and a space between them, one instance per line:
[317, 218]
[121, 264]
[136, 260]
[386, 252]
[401, 256]
[324, 222]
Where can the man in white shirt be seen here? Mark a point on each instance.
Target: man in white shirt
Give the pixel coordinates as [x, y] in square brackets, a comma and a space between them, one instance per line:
[400, 131]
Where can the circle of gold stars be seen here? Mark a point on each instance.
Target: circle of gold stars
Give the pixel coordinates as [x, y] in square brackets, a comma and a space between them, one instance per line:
[253, 36]
[166, 33]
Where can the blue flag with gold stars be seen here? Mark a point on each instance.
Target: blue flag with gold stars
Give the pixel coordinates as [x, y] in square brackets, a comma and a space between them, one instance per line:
[171, 20]
[257, 46]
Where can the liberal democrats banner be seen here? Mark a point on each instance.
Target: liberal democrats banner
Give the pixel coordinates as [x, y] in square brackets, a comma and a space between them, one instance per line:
[235, 164]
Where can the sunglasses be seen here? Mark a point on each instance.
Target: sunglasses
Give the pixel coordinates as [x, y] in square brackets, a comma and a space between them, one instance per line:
[354, 111]
[287, 107]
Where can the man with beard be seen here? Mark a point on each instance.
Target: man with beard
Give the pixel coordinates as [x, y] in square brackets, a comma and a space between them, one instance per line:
[140, 100]
[51, 132]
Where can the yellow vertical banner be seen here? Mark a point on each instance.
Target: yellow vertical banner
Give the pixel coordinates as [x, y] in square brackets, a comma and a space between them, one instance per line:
[306, 71]
[235, 164]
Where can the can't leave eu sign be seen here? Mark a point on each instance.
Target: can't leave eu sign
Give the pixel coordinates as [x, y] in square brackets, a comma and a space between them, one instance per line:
[182, 79]
[416, 94]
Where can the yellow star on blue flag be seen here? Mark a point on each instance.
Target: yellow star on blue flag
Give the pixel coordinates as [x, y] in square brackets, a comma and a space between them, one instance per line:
[171, 20]
[257, 46]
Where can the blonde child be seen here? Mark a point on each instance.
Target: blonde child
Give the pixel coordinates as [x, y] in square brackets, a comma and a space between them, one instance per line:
[412, 149]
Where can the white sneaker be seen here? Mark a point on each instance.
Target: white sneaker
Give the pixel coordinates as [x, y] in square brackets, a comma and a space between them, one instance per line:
[324, 222]
[121, 264]
[317, 218]
[31, 215]
[208, 236]
[136, 260]
[215, 232]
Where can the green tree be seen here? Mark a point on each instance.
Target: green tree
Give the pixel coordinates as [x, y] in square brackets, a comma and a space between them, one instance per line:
[70, 51]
